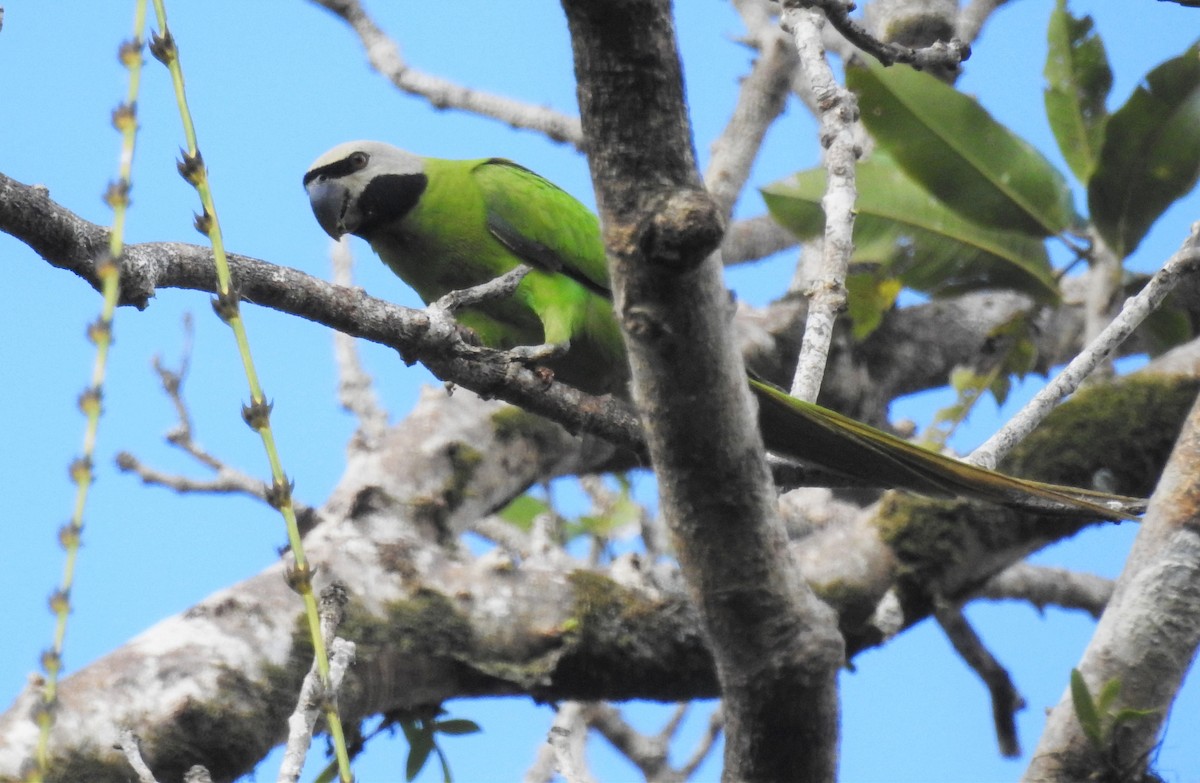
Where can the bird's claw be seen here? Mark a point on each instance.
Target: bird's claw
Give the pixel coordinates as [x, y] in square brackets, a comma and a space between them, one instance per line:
[538, 354]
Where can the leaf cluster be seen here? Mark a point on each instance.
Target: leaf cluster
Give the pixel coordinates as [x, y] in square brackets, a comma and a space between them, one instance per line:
[952, 201]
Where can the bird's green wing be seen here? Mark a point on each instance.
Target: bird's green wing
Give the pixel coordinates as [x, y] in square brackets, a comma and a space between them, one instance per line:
[542, 224]
[806, 431]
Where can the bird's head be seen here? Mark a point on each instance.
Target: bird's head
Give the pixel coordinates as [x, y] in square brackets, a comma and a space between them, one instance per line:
[360, 186]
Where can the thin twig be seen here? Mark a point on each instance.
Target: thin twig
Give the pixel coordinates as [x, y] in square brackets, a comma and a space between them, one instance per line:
[1185, 261]
[754, 239]
[314, 697]
[706, 743]
[1006, 702]
[567, 737]
[181, 436]
[761, 100]
[356, 389]
[500, 287]
[133, 754]
[943, 54]
[838, 113]
[647, 752]
[1043, 586]
[384, 56]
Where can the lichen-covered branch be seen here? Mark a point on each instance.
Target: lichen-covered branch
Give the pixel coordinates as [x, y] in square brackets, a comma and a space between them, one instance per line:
[838, 113]
[1146, 639]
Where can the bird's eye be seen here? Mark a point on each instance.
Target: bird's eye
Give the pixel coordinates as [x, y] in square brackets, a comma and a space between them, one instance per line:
[359, 160]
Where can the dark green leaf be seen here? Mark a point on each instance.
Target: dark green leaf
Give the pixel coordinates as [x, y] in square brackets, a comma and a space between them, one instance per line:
[914, 236]
[1077, 83]
[1085, 709]
[959, 153]
[456, 726]
[420, 746]
[1150, 155]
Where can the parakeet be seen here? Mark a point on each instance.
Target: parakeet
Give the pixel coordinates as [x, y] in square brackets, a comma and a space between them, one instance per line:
[445, 225]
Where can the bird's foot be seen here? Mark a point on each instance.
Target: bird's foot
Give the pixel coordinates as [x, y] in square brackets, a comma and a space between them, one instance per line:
[539, 354]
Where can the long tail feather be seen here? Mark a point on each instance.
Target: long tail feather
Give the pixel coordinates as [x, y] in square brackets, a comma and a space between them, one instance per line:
[805, 431]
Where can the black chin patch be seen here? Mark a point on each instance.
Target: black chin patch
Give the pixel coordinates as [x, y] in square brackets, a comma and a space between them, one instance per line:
[388, 198]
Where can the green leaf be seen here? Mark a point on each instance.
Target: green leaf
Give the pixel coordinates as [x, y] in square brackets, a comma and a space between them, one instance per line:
[915, 236]
[1129, 714]
[1108, 696]
[420, 745]
[523, 510]
[1077, 83]
[456, 726]
[870, 297]
[951, 145]
[329, 774]
[1085, 709]
[1150, 155]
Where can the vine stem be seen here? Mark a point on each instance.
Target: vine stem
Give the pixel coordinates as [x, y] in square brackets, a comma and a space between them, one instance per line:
[100, 331]
[257, 413]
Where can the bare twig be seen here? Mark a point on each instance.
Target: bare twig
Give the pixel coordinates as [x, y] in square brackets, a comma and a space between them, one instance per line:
[761, 100]
[650, 753]
[706, 743]
[838, 114]
[1043, 586]
[384, 56]
[314, 696]
[568, 738]
[1185, 261]
[133, 754]
[500, 287]
[356, 391]
[1006, 702]
[754, 239]
[227, 479]
[943, 54]
[646, 752]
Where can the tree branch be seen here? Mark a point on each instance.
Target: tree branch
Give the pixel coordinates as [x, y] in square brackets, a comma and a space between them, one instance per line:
[1043, 586]
[1185, 262]
[69, 242]
[776, 645]
[838, 113]
[384, 56]
[1146, 639]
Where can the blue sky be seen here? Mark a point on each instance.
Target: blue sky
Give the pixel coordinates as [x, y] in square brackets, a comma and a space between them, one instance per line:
[272, 84]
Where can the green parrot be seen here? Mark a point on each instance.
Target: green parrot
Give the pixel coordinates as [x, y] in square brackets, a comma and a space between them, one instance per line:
[447, 225]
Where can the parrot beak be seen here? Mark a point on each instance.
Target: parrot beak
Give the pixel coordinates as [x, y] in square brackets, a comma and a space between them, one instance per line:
[329, 202]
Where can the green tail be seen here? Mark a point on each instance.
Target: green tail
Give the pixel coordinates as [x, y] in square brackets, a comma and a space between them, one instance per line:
[798, 429]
